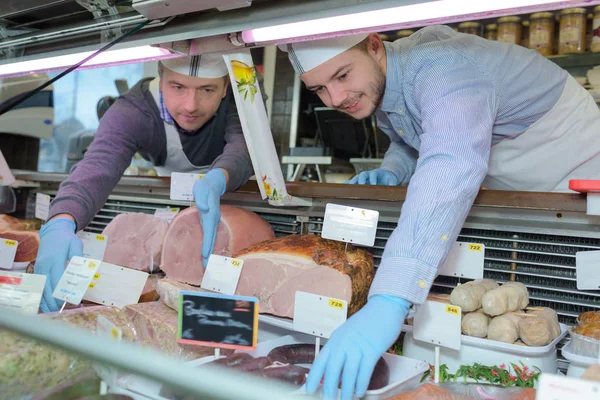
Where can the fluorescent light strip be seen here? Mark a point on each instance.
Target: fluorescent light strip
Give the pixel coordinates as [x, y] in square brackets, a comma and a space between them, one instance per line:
[110, 57]
[390, 16]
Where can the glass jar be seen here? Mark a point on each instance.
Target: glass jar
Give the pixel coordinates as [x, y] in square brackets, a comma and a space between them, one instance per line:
[595, 46]
[473, 28]
[509, 30]
[525, 34]
[589, 31]
[541, 33]
[491, 31]
[404, 33]
[571, 37]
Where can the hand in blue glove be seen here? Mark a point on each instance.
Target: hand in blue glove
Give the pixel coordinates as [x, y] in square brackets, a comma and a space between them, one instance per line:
[207, 195]
[58, 244]
[355, 347]
[377, 176]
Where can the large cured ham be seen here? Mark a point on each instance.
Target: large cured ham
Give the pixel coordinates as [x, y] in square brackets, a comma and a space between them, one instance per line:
[275, 269]
[182, 255]
[29, 243]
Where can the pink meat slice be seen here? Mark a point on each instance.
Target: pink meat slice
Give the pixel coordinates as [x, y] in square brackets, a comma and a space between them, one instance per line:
[135, 240]
[182, 259]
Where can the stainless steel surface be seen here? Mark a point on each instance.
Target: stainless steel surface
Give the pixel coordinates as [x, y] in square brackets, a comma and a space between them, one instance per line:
[11, 8]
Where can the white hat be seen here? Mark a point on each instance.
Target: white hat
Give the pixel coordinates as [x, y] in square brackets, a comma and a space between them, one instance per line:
[209, 65]
[305, 56]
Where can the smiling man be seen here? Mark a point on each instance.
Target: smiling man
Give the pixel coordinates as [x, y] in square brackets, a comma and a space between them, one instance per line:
[461, 112]
[185, 120]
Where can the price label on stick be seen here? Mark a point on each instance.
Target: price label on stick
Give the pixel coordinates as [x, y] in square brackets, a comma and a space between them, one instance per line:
[8, 252]
[587, 271]
[350, 224]
[439, 324]
[21, 292]
[222, 274]
[94, 245]
[76, 279]
[182, 185]
[318, 315]
[465, 260]
[557, 387]
[211, 319]
[117, 286]
[166, 214]
[42, 206]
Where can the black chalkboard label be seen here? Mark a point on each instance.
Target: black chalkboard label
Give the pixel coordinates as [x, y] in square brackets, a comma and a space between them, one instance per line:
[217, 320]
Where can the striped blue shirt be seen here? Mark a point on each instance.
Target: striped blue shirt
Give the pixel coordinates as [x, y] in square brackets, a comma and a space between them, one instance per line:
[449, 97]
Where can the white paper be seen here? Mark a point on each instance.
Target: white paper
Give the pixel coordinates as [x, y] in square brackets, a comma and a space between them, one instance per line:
[113, 285]
[439, 324]
[222, 274]
[42, 206]
[465, 260]
[166, 214]
[557, 387]
[182, 185]
[94, 245]
[318, 315]
[75, 280]
[350, 224]
[587, 264]
[8, 251]
[6, 176]
[21, 292]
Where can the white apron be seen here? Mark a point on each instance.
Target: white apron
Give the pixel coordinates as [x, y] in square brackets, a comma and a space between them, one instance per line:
[562, 145]
[176, 160]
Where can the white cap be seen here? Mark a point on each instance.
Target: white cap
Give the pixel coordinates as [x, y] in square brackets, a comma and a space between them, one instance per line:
[305, 56]
[209, 65]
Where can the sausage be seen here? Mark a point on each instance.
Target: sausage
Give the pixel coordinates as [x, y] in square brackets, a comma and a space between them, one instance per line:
[303, 353]
[288, 373]
[253, 364]
[232, 360]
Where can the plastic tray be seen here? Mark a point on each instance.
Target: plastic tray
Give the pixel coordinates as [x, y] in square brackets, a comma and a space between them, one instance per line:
[485, 351]
[584, 346]
[18, 266]
[577, 363]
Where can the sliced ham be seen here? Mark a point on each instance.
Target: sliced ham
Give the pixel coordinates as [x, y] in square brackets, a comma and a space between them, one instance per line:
[29, 243]
[168, 290]
[275, 269]
[135, 241]
[182, 258]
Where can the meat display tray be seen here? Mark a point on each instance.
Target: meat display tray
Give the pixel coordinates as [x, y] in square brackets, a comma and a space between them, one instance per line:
[577, 363]
[486, 352]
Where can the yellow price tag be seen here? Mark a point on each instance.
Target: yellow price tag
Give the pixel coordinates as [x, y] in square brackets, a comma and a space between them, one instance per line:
[114, 333]
[335, 303]
[96, 276]
[100, 238]
[200, 176]
[453, 310]
[10, 243]
[47, 198]
[475, 247]
[236, 263]
[174, 210]
[92, 264]
[91, 285]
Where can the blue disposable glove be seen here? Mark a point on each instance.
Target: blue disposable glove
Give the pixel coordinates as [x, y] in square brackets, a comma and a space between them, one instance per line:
[207, 195]
[355, 347]
[58, 244]
[377, 176]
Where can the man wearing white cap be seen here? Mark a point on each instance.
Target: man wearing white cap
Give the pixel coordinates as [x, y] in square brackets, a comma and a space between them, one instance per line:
[185, 120]
[461, 112]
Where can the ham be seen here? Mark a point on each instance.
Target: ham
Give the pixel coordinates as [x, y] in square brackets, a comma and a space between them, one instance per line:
[182, 258]
[135, 241]
[29, 243]
[275, 269]
[168, 290]
[150, 292]
[8, 223]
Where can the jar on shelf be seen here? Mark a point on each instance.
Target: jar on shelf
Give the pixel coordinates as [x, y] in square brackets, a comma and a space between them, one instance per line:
[473, 28]
[571, 36]
[525, 34]
[404, 33]
[491, 31]
[595, 46]
[589, 31]
[541, 33]
[509, 30]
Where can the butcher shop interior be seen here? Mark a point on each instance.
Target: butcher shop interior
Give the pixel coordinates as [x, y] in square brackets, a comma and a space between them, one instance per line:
[328, 199]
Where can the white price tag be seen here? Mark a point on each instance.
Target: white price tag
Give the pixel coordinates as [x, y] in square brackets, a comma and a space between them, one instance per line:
[94, 245]
[465, 260]
[107, 329]
[42, 206]
[557, 387]
[587, 270]
[318, 315]
[182, 185]
[222, 274]
[8, 252]
[21, 292]
[166, 214]
[75, 280]
[113, 285]
[439, 324]
[6, 176]
[350, 224]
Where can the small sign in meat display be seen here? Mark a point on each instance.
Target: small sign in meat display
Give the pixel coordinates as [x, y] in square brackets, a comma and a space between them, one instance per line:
[211, 319]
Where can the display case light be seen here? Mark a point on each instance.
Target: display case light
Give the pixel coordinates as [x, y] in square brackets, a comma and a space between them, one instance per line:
[405, 16]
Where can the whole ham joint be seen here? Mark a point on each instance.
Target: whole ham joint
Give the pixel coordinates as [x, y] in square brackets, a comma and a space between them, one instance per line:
[29, 243]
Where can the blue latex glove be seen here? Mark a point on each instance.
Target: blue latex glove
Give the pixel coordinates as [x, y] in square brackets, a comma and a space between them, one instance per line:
[58, 244]
[377, 176]
[207, 195]
[355, 347]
